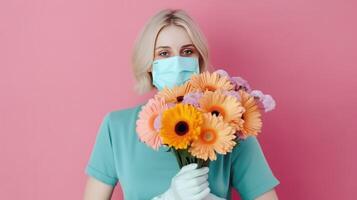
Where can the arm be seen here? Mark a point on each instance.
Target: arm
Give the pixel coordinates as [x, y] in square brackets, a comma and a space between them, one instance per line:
[102, 176]
[270, 195]
[97, 190]
[251, 174]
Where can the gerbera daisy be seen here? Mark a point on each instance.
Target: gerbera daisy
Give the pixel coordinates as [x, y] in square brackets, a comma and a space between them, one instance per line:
[252, 122]
[210, 81]
[145, 127]
[180, 125]
[216, 136]
[176, 94]
[227, 106]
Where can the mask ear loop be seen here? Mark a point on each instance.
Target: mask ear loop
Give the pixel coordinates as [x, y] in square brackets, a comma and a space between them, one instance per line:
[199, 63]
[150, 74]
[149, 71]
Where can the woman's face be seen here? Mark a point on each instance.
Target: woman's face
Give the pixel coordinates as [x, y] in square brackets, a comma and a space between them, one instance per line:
[174, 41]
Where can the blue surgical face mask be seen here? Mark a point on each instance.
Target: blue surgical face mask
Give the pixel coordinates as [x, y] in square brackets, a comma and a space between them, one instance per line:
[173, 71]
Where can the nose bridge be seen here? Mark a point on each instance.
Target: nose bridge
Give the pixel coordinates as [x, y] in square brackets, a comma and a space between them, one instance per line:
[176, 61]
[176, 51]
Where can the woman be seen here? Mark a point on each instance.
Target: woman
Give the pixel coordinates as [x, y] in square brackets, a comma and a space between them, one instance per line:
[169, 38]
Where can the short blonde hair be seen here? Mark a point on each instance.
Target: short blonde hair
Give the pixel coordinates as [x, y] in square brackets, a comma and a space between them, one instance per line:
[143, 51]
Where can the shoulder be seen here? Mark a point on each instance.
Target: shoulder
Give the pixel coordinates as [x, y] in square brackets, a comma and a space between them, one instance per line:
[124, 115]
[247, 148]
[249, 142]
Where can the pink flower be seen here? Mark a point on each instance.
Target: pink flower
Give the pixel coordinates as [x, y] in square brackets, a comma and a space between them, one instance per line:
[266, 100]
[232, 93]
[257, 93]
[239, 83]
[222, 72]
[192, 98]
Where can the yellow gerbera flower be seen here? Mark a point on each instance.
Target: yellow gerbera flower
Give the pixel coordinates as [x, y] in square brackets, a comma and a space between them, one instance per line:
[227, 106]
[176, 94]
[216, 136]
[180, 125]
[210, 81]
[251, 118]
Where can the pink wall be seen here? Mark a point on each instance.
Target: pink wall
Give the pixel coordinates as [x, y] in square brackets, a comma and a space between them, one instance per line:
[64, 64]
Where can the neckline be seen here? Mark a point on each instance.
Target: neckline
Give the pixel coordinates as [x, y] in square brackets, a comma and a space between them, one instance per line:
[164, 148]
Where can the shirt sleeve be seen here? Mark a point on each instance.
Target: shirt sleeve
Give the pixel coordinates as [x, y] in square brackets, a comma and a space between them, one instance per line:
[101, 162]
[251, 175]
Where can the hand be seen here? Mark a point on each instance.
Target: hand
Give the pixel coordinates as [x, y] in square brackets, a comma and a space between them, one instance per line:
[211, 196]
[188, 184]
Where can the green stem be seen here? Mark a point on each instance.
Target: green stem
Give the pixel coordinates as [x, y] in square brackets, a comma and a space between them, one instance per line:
[183, 158]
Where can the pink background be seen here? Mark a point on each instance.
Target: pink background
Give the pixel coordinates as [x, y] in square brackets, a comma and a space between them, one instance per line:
[64, 64]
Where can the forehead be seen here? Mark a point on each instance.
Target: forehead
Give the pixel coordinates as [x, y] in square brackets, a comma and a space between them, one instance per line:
[173, 36]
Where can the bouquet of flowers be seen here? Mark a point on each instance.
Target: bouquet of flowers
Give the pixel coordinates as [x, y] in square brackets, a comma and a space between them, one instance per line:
[209, 114]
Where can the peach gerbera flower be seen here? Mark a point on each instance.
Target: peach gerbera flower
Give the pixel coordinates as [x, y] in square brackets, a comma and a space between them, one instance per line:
[227, 106]
[251, 117]
[145, 124]
[210, 81]
[180, 125]
[176, 94]
[216, 136]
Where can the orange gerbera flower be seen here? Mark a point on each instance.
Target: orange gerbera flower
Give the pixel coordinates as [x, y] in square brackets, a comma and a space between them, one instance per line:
[216, 136]
[145, 124]
[251, 118]
[210, 81]
[180, 125]
[176, 94]
[227, 106]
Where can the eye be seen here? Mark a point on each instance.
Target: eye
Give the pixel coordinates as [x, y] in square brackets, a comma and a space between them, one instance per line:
[187, 52]
[163, 53]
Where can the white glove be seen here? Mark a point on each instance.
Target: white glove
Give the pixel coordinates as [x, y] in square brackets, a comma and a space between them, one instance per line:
[188, 184]
[211, 196]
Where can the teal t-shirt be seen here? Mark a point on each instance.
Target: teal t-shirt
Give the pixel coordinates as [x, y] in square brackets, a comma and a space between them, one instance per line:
[143, 173]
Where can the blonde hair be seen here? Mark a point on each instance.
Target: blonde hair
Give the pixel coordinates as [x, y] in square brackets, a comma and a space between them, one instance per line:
[143, 51]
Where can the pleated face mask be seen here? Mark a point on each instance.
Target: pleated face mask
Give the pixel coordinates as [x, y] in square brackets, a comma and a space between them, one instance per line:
[173, 71]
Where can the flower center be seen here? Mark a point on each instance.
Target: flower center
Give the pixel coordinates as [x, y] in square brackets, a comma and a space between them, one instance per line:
[215, 112]
[210, 88]
[179, 98]
[181, 128]
[208, 136]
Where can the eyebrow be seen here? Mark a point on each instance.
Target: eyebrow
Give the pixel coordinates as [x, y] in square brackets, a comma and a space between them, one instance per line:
[186, 45]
